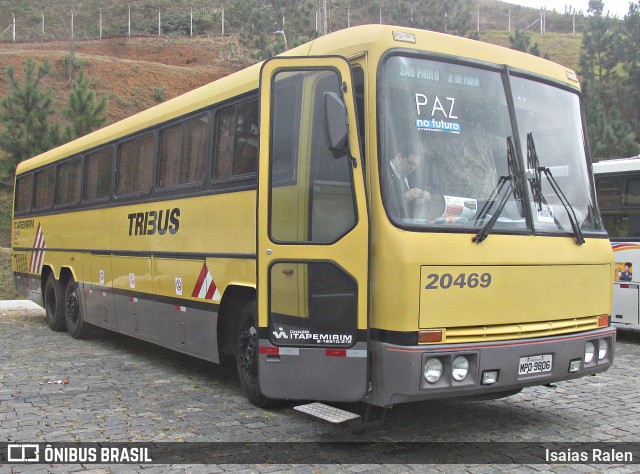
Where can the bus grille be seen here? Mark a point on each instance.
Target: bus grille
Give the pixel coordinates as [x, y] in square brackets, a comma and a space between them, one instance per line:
[501, 332]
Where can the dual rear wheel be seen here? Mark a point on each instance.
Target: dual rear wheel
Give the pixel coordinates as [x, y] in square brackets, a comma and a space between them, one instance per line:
[63, 307]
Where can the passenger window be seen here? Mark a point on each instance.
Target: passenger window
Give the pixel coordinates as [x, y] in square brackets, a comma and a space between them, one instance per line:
[632, 196]
[224, 146]
[69, 185]
[98, 175]
[45, 188]
[24, 193]
[610, 191]
[135, 165]
[183, 148]
[236, 151]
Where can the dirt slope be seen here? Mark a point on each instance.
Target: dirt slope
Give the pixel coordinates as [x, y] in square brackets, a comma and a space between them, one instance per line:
[134, 73]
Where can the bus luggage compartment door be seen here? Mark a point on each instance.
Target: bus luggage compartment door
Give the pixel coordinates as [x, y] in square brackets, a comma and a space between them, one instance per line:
[626, 298]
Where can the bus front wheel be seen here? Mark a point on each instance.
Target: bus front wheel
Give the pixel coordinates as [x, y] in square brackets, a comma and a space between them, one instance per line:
[73, 313]
[247, 357]
[53, 304]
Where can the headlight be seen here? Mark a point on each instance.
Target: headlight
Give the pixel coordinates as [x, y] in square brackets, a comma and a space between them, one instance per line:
[603, 348]
[460, 368]
[433, 370]
[589, 351]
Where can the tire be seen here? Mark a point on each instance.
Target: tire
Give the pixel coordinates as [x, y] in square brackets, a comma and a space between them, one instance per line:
[247, 358]
[54, 304]
[77, 327]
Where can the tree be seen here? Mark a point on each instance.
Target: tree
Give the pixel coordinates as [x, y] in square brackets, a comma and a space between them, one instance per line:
[255, 23]
[521, 40]
[598, 58]
[24, 113]
[601, 60]
[453, 16]
[83, 112]
[630, 46]
[609, 135]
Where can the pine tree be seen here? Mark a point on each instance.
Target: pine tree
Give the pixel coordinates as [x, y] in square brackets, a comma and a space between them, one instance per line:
[599, 43]
[521, 41]
[610, 134]
[83, 112]
[630, 51]
[24, 114]
[452, 16]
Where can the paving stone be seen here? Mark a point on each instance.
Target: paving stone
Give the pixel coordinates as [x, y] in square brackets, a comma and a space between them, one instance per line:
[123, 390]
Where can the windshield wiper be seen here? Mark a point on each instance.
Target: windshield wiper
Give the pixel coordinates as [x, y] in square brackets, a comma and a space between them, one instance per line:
[515, 189]
[535, 182]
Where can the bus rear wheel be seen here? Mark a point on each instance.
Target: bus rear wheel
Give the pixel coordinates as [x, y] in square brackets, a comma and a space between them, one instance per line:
[247, 357]
[73, 313]
[53, 304]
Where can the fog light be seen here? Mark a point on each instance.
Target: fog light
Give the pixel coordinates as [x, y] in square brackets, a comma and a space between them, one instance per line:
[603, 349]
[589, 351]
[433, 370]
[574, 365]
[489, 377]
[460, 368]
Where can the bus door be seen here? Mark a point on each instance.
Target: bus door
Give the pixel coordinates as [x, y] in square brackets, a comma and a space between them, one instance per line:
[313, 233]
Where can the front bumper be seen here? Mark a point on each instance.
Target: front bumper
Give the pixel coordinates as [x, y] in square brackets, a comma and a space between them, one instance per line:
[398, 370]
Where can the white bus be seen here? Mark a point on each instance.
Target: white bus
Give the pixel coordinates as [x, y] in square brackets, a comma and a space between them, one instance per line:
[618, 189]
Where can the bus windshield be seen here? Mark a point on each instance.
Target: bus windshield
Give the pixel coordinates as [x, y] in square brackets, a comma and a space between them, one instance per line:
[450, 159]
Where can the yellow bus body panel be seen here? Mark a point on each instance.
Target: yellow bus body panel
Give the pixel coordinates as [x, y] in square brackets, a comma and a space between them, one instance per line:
[554, 280]
[113, 229]
[514, 292]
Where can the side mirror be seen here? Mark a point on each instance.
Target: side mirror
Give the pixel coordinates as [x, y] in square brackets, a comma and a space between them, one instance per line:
[336, 125]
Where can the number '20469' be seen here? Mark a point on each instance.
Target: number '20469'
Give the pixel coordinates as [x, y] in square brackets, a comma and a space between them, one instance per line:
[447, 280]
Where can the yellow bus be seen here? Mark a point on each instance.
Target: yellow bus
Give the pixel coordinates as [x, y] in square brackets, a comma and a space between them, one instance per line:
[383, 214]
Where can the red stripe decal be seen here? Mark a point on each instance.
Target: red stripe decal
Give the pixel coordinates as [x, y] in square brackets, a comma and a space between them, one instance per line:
[201, 277]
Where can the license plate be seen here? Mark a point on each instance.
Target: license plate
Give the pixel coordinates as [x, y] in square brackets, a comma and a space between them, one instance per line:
[535, 364]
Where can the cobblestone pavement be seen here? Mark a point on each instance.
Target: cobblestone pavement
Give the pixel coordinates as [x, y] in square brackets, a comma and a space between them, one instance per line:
[123, 390]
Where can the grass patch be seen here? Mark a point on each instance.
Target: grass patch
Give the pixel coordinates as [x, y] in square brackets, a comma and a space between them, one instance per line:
[6, 199]
[7, 290]
[561, 48]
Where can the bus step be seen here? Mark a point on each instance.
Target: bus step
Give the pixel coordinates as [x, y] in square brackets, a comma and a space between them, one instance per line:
[327, 413]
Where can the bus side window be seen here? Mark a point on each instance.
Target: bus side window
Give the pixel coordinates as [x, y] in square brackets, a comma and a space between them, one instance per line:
[45, 188]
[135, 165]
[632, 191]
[245, 159]
[24, 193]
[236, 149]
[98, 175]
[224, 143]
[69, 183]
[183, 148]
[610, 191]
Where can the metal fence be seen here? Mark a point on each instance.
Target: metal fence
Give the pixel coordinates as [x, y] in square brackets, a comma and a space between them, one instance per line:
[28, 25]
